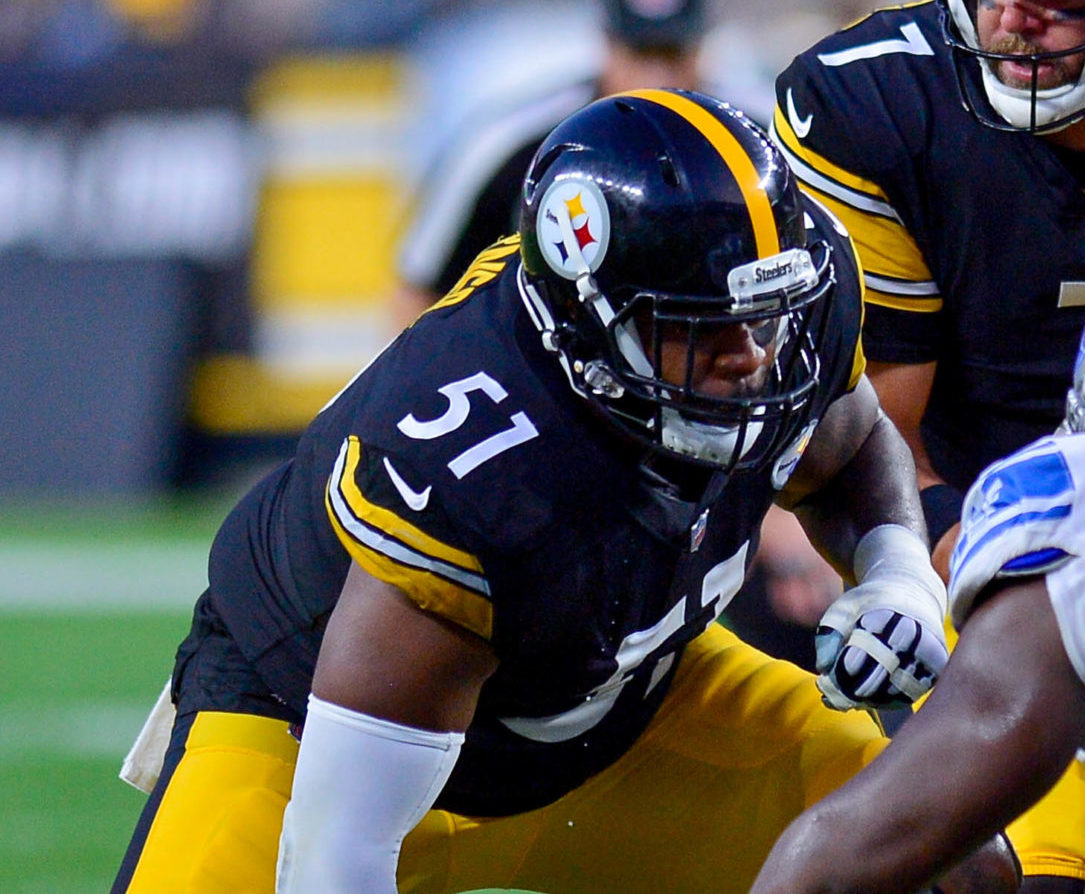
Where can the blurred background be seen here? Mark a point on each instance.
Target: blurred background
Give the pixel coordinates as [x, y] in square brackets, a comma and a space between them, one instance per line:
[201, 205]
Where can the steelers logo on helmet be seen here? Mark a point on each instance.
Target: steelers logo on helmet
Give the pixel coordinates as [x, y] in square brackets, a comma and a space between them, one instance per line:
[573, 227]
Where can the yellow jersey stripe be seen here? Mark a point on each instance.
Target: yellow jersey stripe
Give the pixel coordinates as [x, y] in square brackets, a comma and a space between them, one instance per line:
[384, 519]
[484, 268]
[435, 576]
[896, 302]
[858, 359]
[895, 273]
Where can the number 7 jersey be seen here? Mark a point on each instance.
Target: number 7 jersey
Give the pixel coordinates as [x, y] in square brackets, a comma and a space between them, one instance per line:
[972, 240]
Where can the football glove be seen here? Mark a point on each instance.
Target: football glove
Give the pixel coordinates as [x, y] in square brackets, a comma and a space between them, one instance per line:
[882, 644]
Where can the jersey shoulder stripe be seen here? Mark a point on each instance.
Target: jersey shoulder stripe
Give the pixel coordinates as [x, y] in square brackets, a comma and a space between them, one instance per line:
[436, 576]
[901, 294]
[896, 272]
[483, 269]
[851, 189]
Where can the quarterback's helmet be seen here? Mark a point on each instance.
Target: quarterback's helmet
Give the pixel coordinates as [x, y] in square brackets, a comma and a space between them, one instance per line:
[667, 210]
[1030, 108]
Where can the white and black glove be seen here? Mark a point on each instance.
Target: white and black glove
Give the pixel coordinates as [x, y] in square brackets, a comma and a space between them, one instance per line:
[882, 644]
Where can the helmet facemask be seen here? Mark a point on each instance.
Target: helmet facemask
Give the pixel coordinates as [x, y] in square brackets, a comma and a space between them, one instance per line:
[622, 373]
[742, 429]
[1030, 109]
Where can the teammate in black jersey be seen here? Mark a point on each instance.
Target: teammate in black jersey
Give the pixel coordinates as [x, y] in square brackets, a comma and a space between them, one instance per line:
[960, 174]
[483, 590]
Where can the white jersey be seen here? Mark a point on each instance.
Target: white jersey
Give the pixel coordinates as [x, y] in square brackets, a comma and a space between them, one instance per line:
[1025, 515]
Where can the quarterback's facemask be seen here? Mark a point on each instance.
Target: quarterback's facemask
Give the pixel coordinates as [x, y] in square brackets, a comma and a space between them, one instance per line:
[665, 215]
[1029, 108]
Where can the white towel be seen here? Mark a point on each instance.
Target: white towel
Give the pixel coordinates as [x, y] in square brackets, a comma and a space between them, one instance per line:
[143, 762]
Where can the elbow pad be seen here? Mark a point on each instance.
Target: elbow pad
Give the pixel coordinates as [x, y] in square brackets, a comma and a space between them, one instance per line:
[360, 786]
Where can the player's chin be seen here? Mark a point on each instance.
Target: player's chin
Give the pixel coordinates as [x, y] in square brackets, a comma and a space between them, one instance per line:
[1048, 76]
[991, 869]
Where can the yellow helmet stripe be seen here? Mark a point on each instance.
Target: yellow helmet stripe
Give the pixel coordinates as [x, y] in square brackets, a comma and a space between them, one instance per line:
[734, 156]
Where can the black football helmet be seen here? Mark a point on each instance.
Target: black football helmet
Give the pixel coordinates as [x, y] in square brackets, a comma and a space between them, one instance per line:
[669, 209]
[1027, 109]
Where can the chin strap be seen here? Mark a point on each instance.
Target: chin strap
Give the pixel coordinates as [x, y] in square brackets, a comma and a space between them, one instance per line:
[629, 343]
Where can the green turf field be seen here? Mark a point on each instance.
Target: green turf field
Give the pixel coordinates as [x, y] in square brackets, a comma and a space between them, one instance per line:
[75, 690]
[94, 599]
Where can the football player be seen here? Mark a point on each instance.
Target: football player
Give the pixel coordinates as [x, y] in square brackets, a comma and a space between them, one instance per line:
[947, 136]
[469, 197]
[1007, 714]
[482, 592]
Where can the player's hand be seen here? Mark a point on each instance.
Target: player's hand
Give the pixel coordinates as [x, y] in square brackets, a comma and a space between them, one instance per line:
[882, 643]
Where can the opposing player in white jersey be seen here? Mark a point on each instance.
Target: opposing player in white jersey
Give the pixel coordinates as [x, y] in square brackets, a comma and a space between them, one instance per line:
[1008, 714]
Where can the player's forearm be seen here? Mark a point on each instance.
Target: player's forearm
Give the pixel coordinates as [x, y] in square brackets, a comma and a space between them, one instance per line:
[877, 486]
[360, 786]
[950, 779]
[890, 829]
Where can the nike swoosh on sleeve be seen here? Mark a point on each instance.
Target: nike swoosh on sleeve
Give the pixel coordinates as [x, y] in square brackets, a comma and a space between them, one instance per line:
[414, 499]
[801, 126]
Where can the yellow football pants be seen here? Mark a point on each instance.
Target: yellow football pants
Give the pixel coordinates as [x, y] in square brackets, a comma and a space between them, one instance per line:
[740, 746]
[1050, 838]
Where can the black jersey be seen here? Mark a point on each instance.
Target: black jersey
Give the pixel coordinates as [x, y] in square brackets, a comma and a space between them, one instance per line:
[461, 467]
[972, 240]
